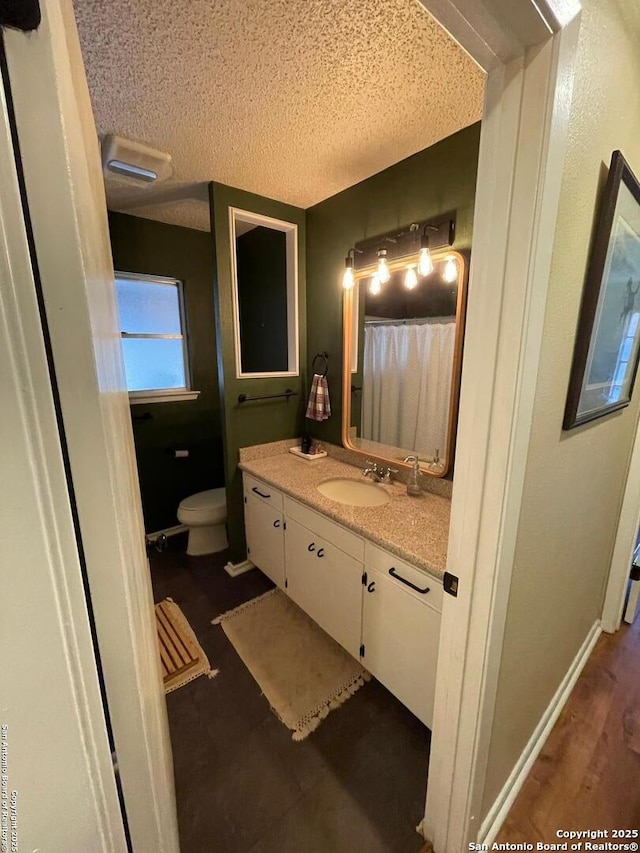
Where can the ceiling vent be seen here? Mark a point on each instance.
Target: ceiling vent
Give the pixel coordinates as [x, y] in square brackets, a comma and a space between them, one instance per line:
[133, 162]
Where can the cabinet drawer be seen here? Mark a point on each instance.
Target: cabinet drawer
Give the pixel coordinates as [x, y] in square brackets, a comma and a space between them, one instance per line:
[253, 486]
[403, 574]
[348, 542]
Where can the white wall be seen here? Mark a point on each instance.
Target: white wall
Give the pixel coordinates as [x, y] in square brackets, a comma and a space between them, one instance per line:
[574, 481]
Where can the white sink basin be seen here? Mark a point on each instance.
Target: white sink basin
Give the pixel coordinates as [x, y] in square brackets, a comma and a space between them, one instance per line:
[354, 492]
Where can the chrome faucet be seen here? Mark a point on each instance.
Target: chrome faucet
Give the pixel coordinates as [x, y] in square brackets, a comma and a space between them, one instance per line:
[373, 472]
[379, 474]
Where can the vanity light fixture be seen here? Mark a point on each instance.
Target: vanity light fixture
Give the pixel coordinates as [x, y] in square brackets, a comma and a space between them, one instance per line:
[405, 252]
[450, 272]
[410, 278]
[347, 277]
[383, 267]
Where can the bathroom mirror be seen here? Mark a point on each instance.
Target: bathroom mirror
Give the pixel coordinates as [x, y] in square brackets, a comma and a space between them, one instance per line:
[265, 294]
[402, 360]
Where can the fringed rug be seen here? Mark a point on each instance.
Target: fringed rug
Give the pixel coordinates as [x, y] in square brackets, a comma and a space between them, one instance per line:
[303, 672]
[181, 654]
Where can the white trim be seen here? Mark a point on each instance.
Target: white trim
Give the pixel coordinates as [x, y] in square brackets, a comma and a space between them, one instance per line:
[65, 193]
[523, 141]
[624, 545]
[177, 396]
[290, 229]
[500, 809]
[235, 569]
[168, 531]
[50, 684]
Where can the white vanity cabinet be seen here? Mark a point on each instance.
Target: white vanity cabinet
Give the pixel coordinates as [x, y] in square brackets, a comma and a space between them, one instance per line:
[264, 528]
[381, 609]
[325, 582]
[401, 610]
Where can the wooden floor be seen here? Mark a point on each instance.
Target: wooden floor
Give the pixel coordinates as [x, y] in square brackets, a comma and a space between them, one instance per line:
[588, 773]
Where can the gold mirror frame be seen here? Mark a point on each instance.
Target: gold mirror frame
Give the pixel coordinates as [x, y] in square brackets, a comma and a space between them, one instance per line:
[347, 342]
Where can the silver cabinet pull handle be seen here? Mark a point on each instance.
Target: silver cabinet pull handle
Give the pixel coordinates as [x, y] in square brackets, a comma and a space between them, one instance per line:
[394, 574]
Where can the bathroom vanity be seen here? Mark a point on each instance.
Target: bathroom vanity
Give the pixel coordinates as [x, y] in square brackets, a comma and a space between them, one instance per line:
[371, 576]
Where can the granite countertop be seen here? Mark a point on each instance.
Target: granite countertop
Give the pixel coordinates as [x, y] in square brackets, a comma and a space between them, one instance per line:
[414, 529]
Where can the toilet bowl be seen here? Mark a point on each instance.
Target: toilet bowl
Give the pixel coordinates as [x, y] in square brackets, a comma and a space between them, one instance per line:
[205, 514]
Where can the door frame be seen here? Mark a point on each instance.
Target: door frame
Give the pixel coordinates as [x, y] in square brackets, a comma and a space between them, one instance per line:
[527, 49]
[51, 685]
[65, 193]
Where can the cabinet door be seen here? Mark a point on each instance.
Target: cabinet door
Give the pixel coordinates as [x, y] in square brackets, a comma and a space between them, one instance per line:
[264, 527]
[326, 583]
[400, 635]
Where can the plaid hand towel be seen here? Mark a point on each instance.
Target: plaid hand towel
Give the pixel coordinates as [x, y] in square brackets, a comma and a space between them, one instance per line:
[319, 407]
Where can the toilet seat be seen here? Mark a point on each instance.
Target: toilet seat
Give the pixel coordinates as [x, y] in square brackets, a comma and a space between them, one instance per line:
[206, 507]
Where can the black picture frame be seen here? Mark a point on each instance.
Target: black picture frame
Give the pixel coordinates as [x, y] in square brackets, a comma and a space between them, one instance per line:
[607, 347]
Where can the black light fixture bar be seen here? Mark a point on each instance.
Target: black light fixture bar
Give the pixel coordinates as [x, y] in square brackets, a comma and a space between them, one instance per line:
[405, 241]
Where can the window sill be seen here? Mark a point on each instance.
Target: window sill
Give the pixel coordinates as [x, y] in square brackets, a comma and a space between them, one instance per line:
[177, 396]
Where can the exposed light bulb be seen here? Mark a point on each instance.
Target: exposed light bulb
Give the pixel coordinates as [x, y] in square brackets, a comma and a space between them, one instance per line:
[383, 267]
[347, 279]
[450, 273]
[425, 264]
[376, 285]
[410, 278]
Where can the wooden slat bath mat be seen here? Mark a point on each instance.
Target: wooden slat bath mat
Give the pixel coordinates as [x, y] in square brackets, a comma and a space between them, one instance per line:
[182, 657]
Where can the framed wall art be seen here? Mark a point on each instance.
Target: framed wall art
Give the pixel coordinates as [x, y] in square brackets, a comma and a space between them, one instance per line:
[605, 359]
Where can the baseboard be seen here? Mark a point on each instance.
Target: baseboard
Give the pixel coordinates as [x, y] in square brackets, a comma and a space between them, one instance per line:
[168, 531]
[235, 569]
[505, 799]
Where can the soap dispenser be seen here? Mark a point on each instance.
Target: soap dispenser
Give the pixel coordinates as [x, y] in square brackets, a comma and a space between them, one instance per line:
[413, 483]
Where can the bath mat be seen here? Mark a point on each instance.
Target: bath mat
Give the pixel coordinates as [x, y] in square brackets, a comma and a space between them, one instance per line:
[181, 655]
[301, 670]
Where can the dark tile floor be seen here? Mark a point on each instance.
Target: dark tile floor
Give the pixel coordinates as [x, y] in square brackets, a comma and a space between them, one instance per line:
[243, 785]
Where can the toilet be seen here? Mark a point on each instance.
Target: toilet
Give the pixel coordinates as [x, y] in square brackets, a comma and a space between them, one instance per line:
[205, 514]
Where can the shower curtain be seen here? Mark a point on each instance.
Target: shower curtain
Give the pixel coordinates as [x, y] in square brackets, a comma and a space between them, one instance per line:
[407, 384]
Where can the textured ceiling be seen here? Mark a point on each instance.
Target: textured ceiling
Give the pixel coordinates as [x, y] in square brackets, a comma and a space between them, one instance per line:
[292, 99]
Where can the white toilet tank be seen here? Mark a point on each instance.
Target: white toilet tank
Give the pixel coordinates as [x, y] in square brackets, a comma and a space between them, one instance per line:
[208, 507]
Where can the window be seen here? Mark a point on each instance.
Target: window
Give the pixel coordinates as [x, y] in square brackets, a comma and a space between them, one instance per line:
[154, 342]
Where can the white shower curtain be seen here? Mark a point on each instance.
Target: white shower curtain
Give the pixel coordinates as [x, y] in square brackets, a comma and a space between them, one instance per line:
[406, 385]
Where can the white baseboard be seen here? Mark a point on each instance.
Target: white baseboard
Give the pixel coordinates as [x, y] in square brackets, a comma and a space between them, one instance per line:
[235, 569]
[505, 799]
[168, 531]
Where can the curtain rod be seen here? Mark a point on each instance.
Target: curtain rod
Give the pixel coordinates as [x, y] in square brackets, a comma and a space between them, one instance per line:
[411, 321]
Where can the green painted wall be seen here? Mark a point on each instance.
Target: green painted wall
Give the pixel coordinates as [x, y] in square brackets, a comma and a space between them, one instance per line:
[143, 246]
[435, 181]
[270, 420]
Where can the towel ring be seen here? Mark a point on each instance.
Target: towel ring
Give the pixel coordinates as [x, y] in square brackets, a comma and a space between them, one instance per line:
[325, 357]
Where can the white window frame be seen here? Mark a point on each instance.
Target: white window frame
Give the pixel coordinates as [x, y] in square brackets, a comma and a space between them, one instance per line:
[159, 395]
